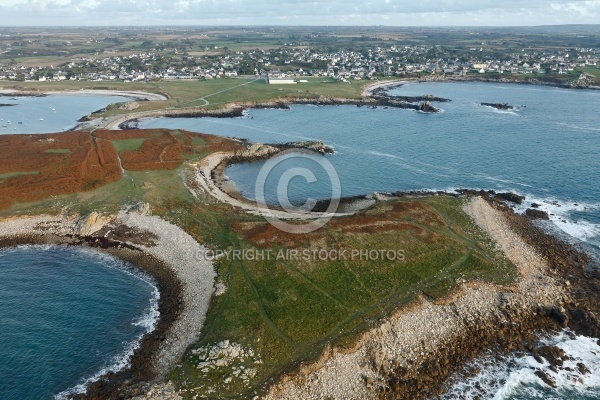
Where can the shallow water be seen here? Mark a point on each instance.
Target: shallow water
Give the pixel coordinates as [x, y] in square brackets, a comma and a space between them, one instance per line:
[50, 114]
[67, 315]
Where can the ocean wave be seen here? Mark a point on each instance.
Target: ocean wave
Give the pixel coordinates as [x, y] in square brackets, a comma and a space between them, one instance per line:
[509, 112]
[577, 127]
[561, 215]
[514, 376]
[385, 155]
[147, 321]
[118, 363]
[501, 180]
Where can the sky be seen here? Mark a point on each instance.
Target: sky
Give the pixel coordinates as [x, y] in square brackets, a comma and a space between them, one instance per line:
[298, 12]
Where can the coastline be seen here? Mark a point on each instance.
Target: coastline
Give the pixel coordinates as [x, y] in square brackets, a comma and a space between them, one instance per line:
[408, 355]
[210, 176]
[368, 89]
[536, 325]
[392, 361]
[369, 98]
[90, 92]
[412, 354]
[166, 253]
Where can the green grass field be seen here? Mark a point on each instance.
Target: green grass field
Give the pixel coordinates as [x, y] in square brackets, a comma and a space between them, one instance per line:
[4, 177]
[595, 71]
[58, 151]
[216, 91]
[128, 144]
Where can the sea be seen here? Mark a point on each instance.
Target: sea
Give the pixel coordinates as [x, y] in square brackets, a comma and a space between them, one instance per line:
[67, 316]
[49, 114]
[547, 148]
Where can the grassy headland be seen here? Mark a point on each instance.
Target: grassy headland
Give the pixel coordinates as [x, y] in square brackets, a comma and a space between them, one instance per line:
[285, 309]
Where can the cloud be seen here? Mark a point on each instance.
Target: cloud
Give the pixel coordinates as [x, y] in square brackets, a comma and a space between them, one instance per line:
[281, 12]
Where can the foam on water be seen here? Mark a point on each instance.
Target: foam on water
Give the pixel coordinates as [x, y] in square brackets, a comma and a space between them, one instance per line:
[578, 127]
[561, 213]
[514, 376]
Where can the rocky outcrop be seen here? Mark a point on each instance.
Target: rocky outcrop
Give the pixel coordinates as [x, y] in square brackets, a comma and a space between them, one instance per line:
[93, 223]
[512, 197]
[130, 106]
[256, 151]
[427, 107]
[314, 145]
[383, 92]
[536, 214]
[259, 151]
[130, 125]
[499, 106]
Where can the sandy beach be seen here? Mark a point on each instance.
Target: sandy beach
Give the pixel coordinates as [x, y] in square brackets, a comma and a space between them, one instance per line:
[91, 92]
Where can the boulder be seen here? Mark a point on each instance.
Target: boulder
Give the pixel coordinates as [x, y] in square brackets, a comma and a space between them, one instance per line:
[536, 214]
[93, 223]
[512, 197]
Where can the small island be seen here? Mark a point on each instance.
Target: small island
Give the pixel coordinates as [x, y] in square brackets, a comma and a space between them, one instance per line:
[499, 106]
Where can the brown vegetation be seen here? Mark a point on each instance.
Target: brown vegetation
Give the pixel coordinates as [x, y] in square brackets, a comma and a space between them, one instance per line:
[65, 163]
[34, 167]
[399, 216]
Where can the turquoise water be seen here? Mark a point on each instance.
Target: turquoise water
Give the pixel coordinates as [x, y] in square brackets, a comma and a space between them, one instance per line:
[547, 149]
[67, 315]
[59, 112]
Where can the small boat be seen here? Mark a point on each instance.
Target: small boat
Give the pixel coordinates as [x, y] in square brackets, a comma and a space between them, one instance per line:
[41, 119]
[20, 123]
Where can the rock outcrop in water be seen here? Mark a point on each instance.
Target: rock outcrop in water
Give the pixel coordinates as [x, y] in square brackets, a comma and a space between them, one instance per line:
[260, 151]
[314, 145]
[536, 214]
[512, 197]
[499, 106]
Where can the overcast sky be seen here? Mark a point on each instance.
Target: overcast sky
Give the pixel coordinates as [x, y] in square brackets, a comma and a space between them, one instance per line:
[298, 12]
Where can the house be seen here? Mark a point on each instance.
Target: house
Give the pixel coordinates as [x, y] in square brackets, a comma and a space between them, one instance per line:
[280, 81]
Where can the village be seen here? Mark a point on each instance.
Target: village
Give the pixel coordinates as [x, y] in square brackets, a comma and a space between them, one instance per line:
[291, 62]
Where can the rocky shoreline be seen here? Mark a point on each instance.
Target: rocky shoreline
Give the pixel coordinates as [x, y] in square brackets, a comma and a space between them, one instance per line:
[383, 86]
[162, 250]
[412, 355]
[237, 110]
